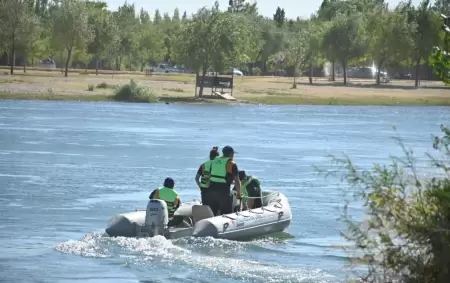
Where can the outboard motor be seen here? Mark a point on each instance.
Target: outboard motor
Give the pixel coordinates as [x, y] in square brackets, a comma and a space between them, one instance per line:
[156, 217]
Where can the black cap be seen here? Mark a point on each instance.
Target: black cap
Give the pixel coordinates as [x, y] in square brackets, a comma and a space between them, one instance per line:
[242, 175]
[228, 150]
[169, 183]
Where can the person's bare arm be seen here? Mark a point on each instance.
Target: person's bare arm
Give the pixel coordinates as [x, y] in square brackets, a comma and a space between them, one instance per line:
[198, 176]
[237, 185]
[197, 180]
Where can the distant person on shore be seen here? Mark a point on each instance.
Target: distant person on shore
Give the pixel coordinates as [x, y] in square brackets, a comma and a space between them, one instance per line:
[251, 191]
[223, 172]
[168, 194]
[203, 175]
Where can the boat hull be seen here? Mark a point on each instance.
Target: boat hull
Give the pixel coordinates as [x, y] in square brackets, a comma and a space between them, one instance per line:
[274, 216]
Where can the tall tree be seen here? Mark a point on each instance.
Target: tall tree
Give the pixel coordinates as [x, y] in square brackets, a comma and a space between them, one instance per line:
[144, 16]
[345, 40]
[71, 27]
[17, 25]
[442, 6]
[151, 45]
[441, 56]
[315, 32]
[279, 17]
[388, 41]
[296, 51]
[125, 16]
[241, 6]
[425, 33]
[213, 39]
[29, 39]
[105, 33]
[176, 15]
[157, 17]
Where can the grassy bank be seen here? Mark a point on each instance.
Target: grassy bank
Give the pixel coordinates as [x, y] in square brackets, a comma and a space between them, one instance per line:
[180, 88]
[270, 100]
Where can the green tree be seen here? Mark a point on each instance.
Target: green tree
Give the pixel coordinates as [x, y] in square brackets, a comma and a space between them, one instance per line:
[272, 41]
[296, 51]
[315, 31]
[279, 17]
[144, 17]
[176, 15]
[71, 27]
[425, 35]
[17, 19]
[241, 6]
[167, 19]
[125, 18]
[151, 45]
[390, 36]
[237, 38]
[344, 40]
[30, 43]
[83, 56]
[105, 34]
[157, 17]
[213, 39]
[405, 233]
[195, 42]
[442, 6]
[440, 59]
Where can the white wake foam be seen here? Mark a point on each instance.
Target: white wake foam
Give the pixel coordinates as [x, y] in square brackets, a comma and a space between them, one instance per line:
[194, 254]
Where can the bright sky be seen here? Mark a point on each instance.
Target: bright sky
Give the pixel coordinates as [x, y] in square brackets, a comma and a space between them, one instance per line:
[292, 8]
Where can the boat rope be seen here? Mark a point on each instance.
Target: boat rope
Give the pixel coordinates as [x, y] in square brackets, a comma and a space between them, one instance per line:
[278, 204]
[263, 197]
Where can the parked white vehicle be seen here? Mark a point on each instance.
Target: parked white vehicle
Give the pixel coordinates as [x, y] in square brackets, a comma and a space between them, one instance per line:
[163, 68]
[235, 72]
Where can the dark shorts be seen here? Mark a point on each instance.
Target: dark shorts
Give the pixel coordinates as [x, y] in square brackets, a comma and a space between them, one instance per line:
[218, 199]
[204, 195]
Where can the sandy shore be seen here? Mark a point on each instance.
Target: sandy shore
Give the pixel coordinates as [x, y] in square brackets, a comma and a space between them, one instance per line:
[181, 87]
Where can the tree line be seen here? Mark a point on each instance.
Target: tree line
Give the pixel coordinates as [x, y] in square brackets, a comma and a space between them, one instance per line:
[343, 32]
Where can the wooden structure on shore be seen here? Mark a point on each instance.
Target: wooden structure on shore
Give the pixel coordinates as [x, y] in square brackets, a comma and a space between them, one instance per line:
[216, 83]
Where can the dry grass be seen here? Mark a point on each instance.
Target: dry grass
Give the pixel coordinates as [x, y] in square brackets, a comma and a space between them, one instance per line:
[39, 84]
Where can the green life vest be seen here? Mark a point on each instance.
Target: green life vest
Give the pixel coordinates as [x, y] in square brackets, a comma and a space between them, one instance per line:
[204, 181]
[219, 170]
[244, 187]
[169, 196]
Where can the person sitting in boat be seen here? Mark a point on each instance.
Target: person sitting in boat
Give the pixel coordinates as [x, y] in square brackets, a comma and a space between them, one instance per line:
[168, 194]
[251, 191]
[223, 172]
[203, 175]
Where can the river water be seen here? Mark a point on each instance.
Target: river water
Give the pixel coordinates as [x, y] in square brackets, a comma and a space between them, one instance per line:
[67, 167]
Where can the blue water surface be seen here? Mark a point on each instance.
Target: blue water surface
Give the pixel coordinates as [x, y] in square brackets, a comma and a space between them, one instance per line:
[67, 167]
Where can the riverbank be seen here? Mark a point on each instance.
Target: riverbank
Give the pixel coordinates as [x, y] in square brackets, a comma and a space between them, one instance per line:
[180, 88]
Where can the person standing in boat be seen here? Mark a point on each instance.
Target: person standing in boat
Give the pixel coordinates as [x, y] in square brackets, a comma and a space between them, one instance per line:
[223, 172]
[203, 175]
[168, 194]
[251, 191]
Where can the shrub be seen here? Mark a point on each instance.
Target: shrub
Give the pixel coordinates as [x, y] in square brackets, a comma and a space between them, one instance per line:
[131, 92]
[102, 85]
[405, 234]
[256, 71]
[91, 87]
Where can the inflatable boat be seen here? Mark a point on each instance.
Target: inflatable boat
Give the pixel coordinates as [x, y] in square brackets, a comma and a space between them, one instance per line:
[199, 221]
